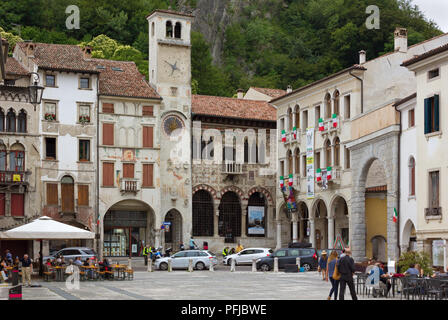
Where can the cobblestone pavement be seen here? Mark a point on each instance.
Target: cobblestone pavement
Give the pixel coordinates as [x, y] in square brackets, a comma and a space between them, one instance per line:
[198, 285]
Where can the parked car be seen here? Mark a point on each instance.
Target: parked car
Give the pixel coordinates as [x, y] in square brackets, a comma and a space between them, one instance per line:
[247, 255]
[319, 252]
[299, 245]
[180, 260]
[73, 253]
[308, 259]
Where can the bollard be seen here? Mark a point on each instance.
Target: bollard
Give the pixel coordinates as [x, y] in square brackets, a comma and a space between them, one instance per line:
[190, 265]
[211, 268]
[275, 264]
[232, 265]
[254, 265]
[170, 266]
[149, 265]
[129, 263]
[298, 263]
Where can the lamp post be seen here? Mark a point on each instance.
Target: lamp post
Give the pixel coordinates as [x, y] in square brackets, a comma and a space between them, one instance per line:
[35, 91]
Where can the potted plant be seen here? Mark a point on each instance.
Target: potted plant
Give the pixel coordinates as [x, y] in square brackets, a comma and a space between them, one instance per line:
[414, 257]
[50, 117]
[84, 119]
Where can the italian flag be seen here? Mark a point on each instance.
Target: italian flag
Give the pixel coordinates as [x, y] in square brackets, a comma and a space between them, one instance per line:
[395, 217]
[319, 175]
[282, 182]
[294, 131]
[328, 173]
[291, 180]
[321, 124]
[283, 136]
[335, 120]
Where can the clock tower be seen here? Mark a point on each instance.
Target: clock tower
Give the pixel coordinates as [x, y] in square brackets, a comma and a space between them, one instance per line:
[170, 75]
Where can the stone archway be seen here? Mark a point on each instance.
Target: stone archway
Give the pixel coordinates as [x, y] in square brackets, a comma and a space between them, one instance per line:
[173, 235]
[339, 221]
[408, 237]
[320, 216]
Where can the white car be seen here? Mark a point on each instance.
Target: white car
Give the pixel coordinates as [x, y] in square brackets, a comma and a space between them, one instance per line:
[246, 256]
[180, 260]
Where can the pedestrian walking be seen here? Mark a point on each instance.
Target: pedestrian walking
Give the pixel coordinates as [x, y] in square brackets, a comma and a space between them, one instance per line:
[323, 264]
[333, 274]
[27, 269]
[192, 244]
[346, 267]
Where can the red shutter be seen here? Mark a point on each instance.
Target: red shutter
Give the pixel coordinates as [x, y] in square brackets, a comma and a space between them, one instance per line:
[148, 111]
[2, 204]
[108, 174]
[108, 107]
[128, 170]
[17, 204]
[83, 195]
[52, 194]
[68, 197]
[148, 174]
[148, 137]
[108, 134]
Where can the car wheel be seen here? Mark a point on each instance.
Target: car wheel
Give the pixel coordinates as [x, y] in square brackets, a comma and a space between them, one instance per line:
[200, 266]
[229, 262]
[265, 267]
[306, 266]
[163, 266]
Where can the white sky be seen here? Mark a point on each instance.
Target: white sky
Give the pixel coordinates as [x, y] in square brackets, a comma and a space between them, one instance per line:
[436, 10]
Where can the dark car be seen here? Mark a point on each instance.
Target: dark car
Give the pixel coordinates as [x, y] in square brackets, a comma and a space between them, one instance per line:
[308, 259]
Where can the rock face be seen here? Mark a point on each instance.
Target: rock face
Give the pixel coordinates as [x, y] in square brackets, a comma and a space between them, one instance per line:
[212, 18]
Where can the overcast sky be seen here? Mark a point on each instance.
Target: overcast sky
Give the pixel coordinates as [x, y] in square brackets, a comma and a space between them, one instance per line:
[436, 10]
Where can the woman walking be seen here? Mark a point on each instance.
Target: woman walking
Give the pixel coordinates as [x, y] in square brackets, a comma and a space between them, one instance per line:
[331, 265]
[323, 264]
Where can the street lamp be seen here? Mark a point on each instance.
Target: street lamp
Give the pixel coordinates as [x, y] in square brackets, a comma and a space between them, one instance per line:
[35, 91]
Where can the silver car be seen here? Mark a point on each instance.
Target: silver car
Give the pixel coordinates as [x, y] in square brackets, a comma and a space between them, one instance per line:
[246, 256]
[72, 253]
[201, 260]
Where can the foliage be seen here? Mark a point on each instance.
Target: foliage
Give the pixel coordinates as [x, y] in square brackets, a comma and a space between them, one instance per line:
[12, 39]
[413, 257]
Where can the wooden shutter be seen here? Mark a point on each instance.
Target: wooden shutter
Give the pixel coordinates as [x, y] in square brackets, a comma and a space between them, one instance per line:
[68, 197]
[427, 116]
[108, 108]
[108, 134]
[128, 170]
[148, 174]
[148, 111]
[2, 204]
[148, 137]
[108, 174]
[83, 195]
[413, 180]
[52, 194]
[17, 204]
[436, 113]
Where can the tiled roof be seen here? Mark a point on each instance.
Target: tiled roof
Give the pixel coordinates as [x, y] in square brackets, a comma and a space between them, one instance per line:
[425, 55]
[122, 78]
[184, 14]
[13, 67]
[59, 57]
[233, 108]
[273, 93]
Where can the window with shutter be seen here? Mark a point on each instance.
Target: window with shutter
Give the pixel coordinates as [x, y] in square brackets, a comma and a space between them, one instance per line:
[67, 194]
[128, 170]
[52, 194]
[17, 204]
[148, 137]
[83, 195]
[108, 174]
[108, 108]
[148, 170]
[148, 111]
[108, 134]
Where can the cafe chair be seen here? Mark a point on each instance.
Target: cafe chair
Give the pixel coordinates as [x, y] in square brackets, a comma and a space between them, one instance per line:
[129, 274]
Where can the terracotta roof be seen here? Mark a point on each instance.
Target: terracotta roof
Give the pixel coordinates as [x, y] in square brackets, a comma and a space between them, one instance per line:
[59, 57]
[273, 93]
[233, 108]
[13, 67]
[122, 78]
[170, 12]
[425, 55]
[353, 67]
[406, 99]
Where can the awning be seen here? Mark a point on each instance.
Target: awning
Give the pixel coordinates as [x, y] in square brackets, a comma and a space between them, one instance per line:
[46, 228]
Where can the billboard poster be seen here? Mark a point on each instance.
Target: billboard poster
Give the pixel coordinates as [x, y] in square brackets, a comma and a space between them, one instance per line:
[310, 163]
[255, 220]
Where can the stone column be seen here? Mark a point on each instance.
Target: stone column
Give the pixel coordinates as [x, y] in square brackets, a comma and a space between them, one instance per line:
[312, 233]
[244, 205]
[215, 218]
[301, 235]
[330, 232]
[294, 227]
[279, 234]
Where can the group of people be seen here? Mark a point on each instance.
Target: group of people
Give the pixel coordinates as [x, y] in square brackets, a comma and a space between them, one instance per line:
[24, 264]
[226, 251]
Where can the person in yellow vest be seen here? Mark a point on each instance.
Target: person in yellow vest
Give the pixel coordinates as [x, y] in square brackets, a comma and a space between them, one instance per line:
[146, 251]
[239, 247]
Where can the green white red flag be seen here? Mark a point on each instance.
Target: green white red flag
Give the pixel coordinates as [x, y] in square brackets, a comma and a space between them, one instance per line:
[395, 217]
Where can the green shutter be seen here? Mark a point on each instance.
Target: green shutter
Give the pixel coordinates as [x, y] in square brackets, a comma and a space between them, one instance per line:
[436, 112]
[427, 116]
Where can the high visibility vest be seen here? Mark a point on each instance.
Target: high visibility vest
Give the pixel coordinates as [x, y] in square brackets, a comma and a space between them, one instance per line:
[146, 250]
[224, 252]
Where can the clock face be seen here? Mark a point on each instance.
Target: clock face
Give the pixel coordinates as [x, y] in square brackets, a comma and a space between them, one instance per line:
[174, 65]
[173, 126]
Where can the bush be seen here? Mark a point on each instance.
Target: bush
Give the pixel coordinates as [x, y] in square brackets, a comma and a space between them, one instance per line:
[407, 259]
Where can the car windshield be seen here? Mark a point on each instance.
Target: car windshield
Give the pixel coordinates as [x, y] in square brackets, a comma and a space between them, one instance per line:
[211, 253]
[88, 251]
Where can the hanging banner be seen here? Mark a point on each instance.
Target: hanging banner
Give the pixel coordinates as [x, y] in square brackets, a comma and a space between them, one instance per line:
[310, 163]
[255, 220]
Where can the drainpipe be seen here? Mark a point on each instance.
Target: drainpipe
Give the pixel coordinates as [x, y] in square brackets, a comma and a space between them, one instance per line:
[362, 89]
[98, 234]
[399, 189]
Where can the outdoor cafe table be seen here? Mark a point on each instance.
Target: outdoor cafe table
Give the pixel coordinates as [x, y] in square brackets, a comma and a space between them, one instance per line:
[119, 270]
[94, 271]
[59, 272]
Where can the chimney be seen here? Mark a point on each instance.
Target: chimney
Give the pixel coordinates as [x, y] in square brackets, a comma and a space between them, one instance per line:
[87, 52]
[30, 49]
[240, 93]
[362, 56]
[288, 89]
[401, 40]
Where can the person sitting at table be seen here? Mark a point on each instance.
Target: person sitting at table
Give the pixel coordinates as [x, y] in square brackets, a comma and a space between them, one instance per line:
[78, 262]
[412, 270]
[384, 278]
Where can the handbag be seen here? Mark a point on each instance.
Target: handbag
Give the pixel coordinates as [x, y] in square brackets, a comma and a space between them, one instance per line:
[336, 273]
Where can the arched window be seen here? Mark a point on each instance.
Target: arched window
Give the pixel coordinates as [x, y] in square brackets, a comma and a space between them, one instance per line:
[21, 123]
[169, 29]
[289, 120]
[328, 153]
[337, 150]
[3, 158]
[297, 160]
[11, 121]
[202, 214]
[152, 29]
[290, 162]
[327, 106]
[229, 222]
[178, 30]
[2, 120]
[17, 158]
[412, 176]
[68, 194]
[246, 151]
[336, 102]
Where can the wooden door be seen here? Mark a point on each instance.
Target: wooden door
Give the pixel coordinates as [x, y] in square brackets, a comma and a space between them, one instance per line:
[68, 197]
